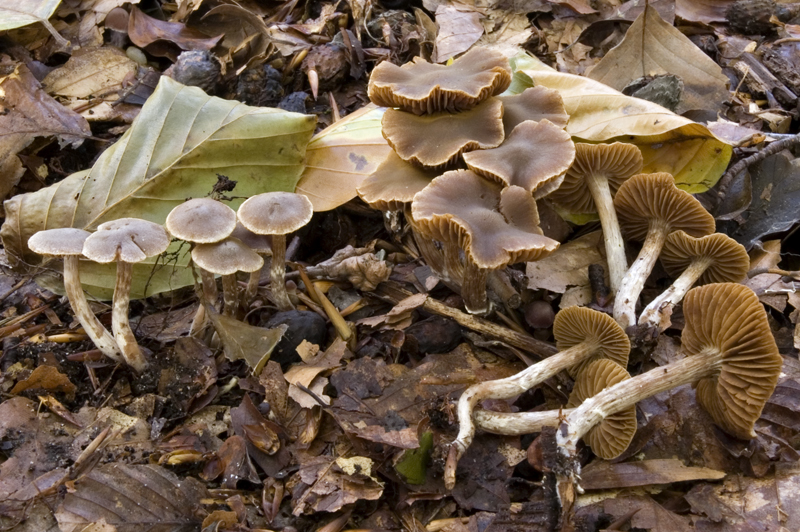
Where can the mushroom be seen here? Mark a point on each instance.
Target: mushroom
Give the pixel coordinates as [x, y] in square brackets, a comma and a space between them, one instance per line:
[276, 214]
[226, 258]
[589, 186]
[420, 87]
[436, 140]
[534, 103]
[539, 171]
[650, 207]
[494, 227]
[261, 244]
[67, 243]
[582, 335]
[731, 357]
[714, 258]
[126, 241]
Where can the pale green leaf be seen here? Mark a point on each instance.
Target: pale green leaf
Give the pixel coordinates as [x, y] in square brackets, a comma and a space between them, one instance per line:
[17, 13]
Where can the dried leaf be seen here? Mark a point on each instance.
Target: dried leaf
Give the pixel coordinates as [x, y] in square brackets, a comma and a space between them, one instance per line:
[705, 11]
[98, 72]
[459, 28]
[18, 13]
[144, 30]
[327, 484]
[600, 475]
[568, 266]
[46, 378]
[252, 344]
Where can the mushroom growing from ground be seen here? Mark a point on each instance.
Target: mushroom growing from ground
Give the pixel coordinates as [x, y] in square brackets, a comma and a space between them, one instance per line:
[650, 207]
[261, 244]
[276, 214]
[582, 335]
[67, 243]
[494, 227]
[227, 258]
[126, 241]
[714, 258]
[589, 186]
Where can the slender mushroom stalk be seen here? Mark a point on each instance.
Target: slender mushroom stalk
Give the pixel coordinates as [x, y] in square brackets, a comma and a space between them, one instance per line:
[262, 245]
[731, 357]
[278, 273]
[649, 207]
[226, 258]
[715, 258]
[582, 335]
[68, 244]
[592, 180]
[126, 241]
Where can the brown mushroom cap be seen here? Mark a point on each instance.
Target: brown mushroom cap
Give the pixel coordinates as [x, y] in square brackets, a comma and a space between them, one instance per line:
[437, 140]
[394, 183]
[653, 198]
[617, 162]
[539, 170]
[728, 318]
[494, 226]
[729, 259]
[201, 220]
[227, 257]
[275, 213]
[420, 87]
[575, 325]
[117, 19]
[609, 438]
[126, 239]
[261, 244]
[535, 103]
[59, 242]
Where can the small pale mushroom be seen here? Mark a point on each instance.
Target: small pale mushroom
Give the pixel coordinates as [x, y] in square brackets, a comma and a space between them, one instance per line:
[539, 171]
[534, 103]
[420, 87]
[494, 227]
[276, 214]
[589, 186]
[67, 243]
[125, 241]
[649, 208]
[437, 140]
[227, 258]
[714, 258]
[582, 335]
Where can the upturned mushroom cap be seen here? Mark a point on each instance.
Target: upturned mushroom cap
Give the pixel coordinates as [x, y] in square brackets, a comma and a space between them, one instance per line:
[227, 257]
[261, 244]
[609, 438]
[201, 220]
[420, 87]
[126, 239]
[728, 318]
[275, 213]
[58, 242]
[534, 157]
[494, 226]
[394, 183]
[535, 103]
[653, 198]
[437, 140]
[617, 162]
[575, 325]
[729, 259]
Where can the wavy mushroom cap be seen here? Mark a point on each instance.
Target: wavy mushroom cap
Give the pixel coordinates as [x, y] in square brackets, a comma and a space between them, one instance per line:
[609, 438]
[201, 220]
[494, 226]
[394, 184]
[651, 199]
[275, 213]
[435, 141]
[420, 87]
[535, 103]
[227, 257]
[539, 170]
[59, 242]
[616, 162]
[728, 319]
[728, 259]
[576, 325]
[127, 240]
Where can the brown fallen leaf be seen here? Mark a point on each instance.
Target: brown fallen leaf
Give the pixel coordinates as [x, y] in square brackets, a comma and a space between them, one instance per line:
[95, 72]
[231, 461]
[326, 484]
[244, 33]
[144, 30]
[705, 11]
[646, 514]
[605, 475]
[242, 341]
[46, 378]
[459, 28]
[652, 47]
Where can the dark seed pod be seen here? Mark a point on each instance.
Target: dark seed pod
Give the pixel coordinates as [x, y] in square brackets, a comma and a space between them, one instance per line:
[751, 17]
[196, 68]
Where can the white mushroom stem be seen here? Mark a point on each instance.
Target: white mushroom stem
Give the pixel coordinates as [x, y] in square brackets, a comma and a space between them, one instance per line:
[635, 277]
[230, 295]
[209, 286]
[651, 315]
[278, 274]
[120, 323]
[518, 423]
[80, 307]
[506, 389]
[615, 245]
[473, 288]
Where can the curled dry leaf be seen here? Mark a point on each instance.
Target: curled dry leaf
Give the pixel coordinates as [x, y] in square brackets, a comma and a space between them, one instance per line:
[144, 30]
[359, 266]
[97, 72]
[326, 484]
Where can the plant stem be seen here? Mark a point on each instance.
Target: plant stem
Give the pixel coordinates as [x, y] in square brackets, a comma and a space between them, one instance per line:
[651, 315]
[517, 423]
[120, 323]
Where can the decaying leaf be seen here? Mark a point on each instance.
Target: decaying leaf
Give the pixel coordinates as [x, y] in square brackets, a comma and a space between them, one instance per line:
[459, 28]
[326, 484]
[252, 344]
[705, 11]
[46, 378]
[144, 30]
[605, 475]
[97, 72]
[172, 151]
